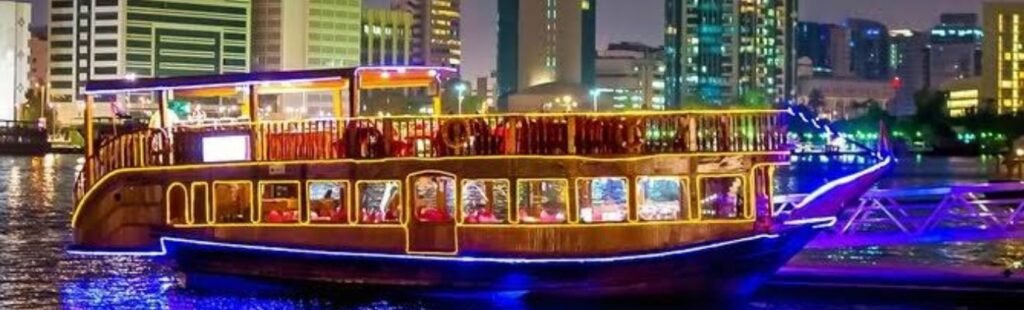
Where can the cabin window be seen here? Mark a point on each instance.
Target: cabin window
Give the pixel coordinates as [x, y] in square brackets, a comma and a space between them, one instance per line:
[603, 200]
[200, 203]
[485, 201]
[232, 202]
[542, 201]
[434, 198]
[661, 199]
[279, 203]
[762, 182]
[177, 204]
[328, 202]
[722, 198]
[380, 202]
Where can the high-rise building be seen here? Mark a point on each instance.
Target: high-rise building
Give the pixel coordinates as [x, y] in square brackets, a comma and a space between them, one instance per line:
[630, 76]
[1003, 56]
[840, 49]
[100, 40]
[39, 61]
[436, 32]
[955, 49]
[814, 42]
[387, 37]
[827, 46]
[728, 51]
[869, 49]
[544, 42]
[305, 34]
[15, 18]
[909, 64]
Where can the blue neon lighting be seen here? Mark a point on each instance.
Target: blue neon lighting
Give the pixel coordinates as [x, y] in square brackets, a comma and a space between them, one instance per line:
[457, 259]
[820, 222]
[842, 181]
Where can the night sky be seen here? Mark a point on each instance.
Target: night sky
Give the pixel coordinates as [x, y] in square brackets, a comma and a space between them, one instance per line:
[641, 20]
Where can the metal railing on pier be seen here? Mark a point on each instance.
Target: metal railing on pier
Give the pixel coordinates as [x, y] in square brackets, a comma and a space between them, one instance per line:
[995, 207]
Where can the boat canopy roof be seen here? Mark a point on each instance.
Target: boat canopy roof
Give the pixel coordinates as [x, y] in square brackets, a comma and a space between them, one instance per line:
[369, 77]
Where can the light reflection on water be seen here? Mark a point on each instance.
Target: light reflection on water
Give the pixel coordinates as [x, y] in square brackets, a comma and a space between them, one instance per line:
[35, 272]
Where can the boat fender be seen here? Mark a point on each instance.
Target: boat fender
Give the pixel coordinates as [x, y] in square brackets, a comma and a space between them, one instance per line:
[455, 133]
[630, 135]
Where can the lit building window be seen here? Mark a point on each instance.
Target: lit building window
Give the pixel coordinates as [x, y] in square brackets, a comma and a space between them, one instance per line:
[603, 200]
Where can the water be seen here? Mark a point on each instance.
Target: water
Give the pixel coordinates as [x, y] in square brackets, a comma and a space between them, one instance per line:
[808, 173]
[36, 273]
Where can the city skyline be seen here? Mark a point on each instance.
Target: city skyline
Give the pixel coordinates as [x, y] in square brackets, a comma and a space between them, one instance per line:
[643, 21]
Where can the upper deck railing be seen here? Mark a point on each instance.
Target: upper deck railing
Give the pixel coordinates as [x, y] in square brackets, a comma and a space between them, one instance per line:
[588, 135]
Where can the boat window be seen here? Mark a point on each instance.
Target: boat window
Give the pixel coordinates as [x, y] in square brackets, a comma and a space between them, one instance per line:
[542, 201]
[762, 182]
[232, 202]
[380, 202]
[485, 201]
[279, 203]
[603, 200]
[434, 198]
[200, 202]
[328, 202]
[661, 199]
[177, 204]
[722, 198]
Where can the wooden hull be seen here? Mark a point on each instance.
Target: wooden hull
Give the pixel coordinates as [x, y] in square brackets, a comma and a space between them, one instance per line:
[722, 269]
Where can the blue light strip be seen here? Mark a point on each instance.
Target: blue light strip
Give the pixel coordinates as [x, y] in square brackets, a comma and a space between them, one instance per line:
[820, 222]
[455, 259]
[842, 181]
[826, 126]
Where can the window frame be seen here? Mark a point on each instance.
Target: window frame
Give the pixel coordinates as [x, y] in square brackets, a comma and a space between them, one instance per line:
[565, 196]
[167, 204]
[744, 190]
[686, 201]
[508, 210]
[411, 195]
[578, 216]
[259, 203]
[252, 202]
[192, 202]
[347, 199]
[358, 198]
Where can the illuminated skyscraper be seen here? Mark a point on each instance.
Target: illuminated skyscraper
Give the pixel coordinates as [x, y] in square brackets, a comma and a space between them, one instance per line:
[387, 37]
[813, 42]
[305, 34]
[102, 40]
[955, 52]
[869, 49]
[436, 32]
[909, 64]
[545, 42]
[729, 51]
[1003, 56]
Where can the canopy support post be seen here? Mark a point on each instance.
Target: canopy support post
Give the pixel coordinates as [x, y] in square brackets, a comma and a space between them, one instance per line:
[353, 96]
[254, 120]
[161, 103]
[90, 147]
